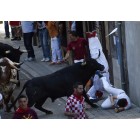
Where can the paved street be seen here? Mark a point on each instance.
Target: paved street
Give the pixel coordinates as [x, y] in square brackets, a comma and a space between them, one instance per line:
[38, 68]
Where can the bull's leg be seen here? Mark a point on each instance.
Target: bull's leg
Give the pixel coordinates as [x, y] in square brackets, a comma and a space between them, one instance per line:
[7, 99]
[18, 84]
[12, 101]
[39, 104]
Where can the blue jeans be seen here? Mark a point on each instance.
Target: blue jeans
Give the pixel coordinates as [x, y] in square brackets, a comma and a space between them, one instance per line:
[56, 49]
[6, 27]
[43, 36]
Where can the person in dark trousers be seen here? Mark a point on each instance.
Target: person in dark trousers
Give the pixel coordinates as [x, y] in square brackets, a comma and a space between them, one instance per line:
[23, 111]
[28, 32]
[6, 27]
[43, 37]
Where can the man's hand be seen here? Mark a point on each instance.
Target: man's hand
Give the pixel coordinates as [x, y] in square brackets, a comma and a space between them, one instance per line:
[117, 110]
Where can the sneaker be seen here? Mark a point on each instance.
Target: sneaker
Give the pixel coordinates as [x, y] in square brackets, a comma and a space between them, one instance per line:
[47, 60]
[60, 62]
[43, 60]
[6, 37]
[18, 38]
[53, 63]
[31, 59]
[26, 59]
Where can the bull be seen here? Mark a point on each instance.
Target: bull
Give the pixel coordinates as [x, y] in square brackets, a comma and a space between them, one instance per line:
[12, 53]
[58, 84]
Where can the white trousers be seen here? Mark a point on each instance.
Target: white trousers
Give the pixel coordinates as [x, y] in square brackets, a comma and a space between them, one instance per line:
[110, 90]
[97, 85]
[56, 50]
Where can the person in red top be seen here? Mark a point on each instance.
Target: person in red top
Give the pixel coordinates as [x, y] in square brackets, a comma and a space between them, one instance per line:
[75, 107]
[78, 46]
[23, 111]
[16, 30]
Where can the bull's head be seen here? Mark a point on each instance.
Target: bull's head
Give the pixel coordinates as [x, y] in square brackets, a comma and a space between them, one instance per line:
[16, 51]
[94, 65]
[14, 54]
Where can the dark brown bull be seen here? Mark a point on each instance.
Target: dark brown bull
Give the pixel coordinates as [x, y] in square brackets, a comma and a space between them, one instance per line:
[8, 79]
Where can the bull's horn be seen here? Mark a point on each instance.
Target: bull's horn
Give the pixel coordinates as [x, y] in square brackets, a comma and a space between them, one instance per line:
[14, 67]
[18, 64]
[18, 48]
[7, 51]
[83, 63]
[23, 51]
[14, 81]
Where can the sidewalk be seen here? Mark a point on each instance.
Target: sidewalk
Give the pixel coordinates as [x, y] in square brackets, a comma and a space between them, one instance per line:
[38, 68]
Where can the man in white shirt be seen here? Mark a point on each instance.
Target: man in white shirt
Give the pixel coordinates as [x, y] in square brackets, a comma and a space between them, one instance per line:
[117, 98]
[96, 52]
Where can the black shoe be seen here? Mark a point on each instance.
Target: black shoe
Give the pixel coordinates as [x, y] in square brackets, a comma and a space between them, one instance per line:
[94, 100]
[6, 37]
[15, 38]
[18, 38]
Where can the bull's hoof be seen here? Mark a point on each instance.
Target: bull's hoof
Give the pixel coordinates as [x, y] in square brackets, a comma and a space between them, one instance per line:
[48, 112]
[18, 84]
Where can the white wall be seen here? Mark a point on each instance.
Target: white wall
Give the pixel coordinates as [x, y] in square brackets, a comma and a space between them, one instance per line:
[132, 35]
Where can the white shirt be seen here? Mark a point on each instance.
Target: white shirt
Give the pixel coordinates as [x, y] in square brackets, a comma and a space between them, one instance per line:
[73, 26]
[27, 26]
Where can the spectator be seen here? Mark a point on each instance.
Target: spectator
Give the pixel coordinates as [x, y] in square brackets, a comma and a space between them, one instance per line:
[15, 27]
[55, 43]
[75, 108]
[62, 35]
[43, 37]
[78, 46]
[117, 97]
[23, 111]
[6, 27]
[28, 32]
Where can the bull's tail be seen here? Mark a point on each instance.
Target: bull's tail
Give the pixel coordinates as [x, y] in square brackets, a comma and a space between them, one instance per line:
[13, 104]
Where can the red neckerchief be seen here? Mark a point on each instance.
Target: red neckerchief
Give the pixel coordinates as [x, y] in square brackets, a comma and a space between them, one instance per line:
[79, 97]
[20, 110]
